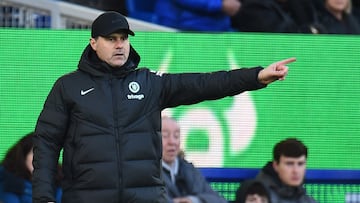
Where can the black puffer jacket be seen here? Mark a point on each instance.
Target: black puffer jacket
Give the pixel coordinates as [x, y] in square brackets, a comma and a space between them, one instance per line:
[108, 123]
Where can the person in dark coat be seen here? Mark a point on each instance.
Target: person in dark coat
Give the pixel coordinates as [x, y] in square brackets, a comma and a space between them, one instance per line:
[279, 16]
[183, 182]
[337, 18]
[284, 176]
[106, 116]
[356, 9]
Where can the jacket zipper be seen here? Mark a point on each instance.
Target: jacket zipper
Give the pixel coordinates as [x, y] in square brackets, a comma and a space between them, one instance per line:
[117, 136]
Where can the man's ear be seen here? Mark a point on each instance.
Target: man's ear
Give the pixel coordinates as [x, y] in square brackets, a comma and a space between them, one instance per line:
[275, 165]
[93, 43]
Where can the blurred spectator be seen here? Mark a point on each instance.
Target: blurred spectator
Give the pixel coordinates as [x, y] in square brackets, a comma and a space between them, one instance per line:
[197, 15]
[142, 10]
[252, 191]
[283, 178]
[356, 9]
[105, 5]
[336, 17]
[16, 173]
[282, 16]
[184, 183]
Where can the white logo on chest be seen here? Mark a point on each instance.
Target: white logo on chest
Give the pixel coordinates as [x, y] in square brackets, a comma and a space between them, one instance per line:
[134, 87]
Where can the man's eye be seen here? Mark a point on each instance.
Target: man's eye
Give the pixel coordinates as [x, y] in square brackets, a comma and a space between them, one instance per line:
[301, 163]
[109, 38]
[125, 37]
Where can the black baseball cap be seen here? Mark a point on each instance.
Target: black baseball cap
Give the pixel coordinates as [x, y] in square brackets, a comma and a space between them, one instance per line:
[110, 22]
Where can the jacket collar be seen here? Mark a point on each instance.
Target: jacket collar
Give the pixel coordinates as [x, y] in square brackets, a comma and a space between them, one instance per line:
[90, 63]
[276, 184]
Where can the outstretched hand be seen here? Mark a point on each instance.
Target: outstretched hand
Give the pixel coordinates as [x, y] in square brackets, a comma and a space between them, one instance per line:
[275, 71]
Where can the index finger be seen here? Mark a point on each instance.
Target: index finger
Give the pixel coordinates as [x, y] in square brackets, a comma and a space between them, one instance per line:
[286, 61]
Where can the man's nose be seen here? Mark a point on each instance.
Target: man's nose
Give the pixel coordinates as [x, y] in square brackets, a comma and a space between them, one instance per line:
[296, 169]
[172, 140]
[119, 43]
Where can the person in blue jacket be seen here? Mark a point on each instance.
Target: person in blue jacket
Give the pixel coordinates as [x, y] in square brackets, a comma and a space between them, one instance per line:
[106, 117]
[197, 15]
[16, 173]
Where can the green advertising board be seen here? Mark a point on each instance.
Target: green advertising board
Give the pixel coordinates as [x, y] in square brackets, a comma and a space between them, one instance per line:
[317, 103]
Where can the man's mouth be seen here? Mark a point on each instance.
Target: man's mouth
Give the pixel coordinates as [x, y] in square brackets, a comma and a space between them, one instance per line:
[118, 54]
[171, 150]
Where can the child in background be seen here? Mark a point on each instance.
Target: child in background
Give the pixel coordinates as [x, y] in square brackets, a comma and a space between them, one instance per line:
[252, 191]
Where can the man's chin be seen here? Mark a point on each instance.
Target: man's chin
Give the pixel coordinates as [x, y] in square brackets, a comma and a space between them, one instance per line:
[117, 64]
[295, 184]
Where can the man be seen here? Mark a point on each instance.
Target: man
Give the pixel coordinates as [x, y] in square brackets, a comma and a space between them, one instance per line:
[184, 183]
[284, 176]
[106, 116]
[337, 17]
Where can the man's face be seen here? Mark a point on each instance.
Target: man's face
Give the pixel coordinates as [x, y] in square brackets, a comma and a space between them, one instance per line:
[337, 5]
[170, 131]
[29, 160]
[113, 49]
[291, 170]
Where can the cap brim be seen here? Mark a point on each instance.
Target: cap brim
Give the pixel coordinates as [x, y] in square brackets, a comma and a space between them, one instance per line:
[127, 31]
[131, 33]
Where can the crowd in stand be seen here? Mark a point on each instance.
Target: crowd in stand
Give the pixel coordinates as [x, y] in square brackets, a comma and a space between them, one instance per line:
[275, 16]
[280, 16]
[297, 16]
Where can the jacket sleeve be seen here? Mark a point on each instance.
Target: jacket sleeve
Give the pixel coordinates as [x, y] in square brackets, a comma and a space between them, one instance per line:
[50, 130]
[201, 188]
[191, 88]
[10, 197]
